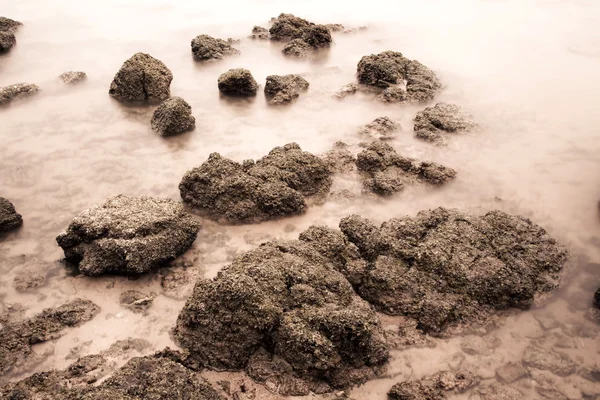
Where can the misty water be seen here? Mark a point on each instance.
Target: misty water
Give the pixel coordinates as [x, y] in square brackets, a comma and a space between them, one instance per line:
[526, 70]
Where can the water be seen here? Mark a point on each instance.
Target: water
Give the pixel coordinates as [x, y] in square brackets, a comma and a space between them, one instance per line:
[526, 70]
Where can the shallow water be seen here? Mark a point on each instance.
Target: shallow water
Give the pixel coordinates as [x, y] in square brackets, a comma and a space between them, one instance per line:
[526, 70]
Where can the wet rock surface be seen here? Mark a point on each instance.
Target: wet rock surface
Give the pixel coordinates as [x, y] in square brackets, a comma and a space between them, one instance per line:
[9, 217]
[238, 82]
[433, 387]
[205, 48]
[270, 188]
[128, 235]
[17, 337]
[283, 89]
[382, 128]
[72, 77]
[9, 25]
[16, 91]
[385, 172]
[7, 41]
[172, 117]
[142, 78]
[435, 123]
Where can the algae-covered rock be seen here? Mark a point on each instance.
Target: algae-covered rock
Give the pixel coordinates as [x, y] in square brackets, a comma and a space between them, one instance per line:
[238, 82]
[9, 217]
[16, 91]
[142, 78]
[385, 172]
[172, 117]
[382, 128]
[16, 338]
[434, 387]
[282, 89]
[128, 235]
[270, 188]
[72, 77]
[7, 41]
[205, 47]
[434, 123]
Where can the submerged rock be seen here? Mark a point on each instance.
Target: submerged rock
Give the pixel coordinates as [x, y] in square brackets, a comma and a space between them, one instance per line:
[7, 41]
[382, 128]
[28, 281]
[72, 77]
[511, 372]
[335, 27]
[258, 32]
[16, 338]
[434, 123]
[282, 89]
[16, 91]
[136, 301]
[297, 48]
[340, 159]
[393, 94]
[205, 47]
[385, 172]
[128, 235]
[500, 392]
[9, 217]
[549, 360]
[347, 90]
[238, 82]
[172, 117]
[142, 78]
[9, 25]
[433, 387]
[269, 188]
[288, 27]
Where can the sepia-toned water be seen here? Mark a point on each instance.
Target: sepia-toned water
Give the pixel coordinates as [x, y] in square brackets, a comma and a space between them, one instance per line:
[528, 71]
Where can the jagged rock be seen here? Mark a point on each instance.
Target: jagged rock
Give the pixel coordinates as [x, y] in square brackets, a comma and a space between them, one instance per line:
[288, 27]
[382, 128]
[433, 387]
[9, 25]
[258, 32]
[393, 94]
[347, 90]
[434, 123]
[16, 338]
[16, 91]
[136, 301]
[282, 89]
[128, 235]
[9, 217]
[7, 41]
[238, 82]
[511, 372]
[172, 117]
[272, 187]
[205, 47]
[142, 78]
[549, 360]
[72, 77]
[500, 392]
[385, 172]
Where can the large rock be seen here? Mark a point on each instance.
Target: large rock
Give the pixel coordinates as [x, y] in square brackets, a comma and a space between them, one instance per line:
[16, 91]
[128, 235]
[433, 387]
[16, 338]
[433, 124]
[282, 89]
[72, 77]
[238, 82]
[205, 47]
[385, 172]
[272, 187]
[382, 128]
[173, 116]
[7, 41]
[9, 25]
[287, 27]
[142, 78]
[9, 217]
[317, 36]
[258, 32]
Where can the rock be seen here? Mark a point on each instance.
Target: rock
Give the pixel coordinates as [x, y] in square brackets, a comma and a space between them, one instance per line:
[597, 298]
[172, 117]
[282, 89]
[27, 282]
[382, 128]
[288, 27]
[549, 360]
[483, 346]
[270, 188]
[16, 338]
[500, 392]
[547, 322]
[136, 301]
[304, 37]
[340, 159]
[511, 372]
[128, 235]
[317, 36]
[7, 41]
[434, 123]
[393, 94]
[346, 90]
[297, 48]
[385, 172]
[258, 32]
[238, 82]
[335, 27]
[72, 77]
[142, 78]
[9, 25]
[205, 47]
[16, 91]
[9, 217]
[433, 387]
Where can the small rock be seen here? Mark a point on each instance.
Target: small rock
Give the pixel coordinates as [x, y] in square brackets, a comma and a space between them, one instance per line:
[476, 345]
[136, 301]
[172, 117]
[7, 41]
[72, 77]
[549, 360]
[9, 217]
[433, 123]
[238, 82]
[433, 387]
[282, 89]
[340, 159]
[18, 90]
[382, 128]
[393, 94]
[547, 321]
[258, 32]
[297, 48]
[142, 78]
[205, 47]
[511, 372]
[500, 392]
[347, 90]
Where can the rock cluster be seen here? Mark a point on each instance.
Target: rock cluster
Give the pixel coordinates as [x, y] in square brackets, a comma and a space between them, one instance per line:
[272, 187]
[9, 217]
[382, 128]
[238, 82]
[283, 89]
[16, 91]
[128, 235]
[172, 117]
[142, 78]
[433, 387]
[205, 48]
[8, 27]
[72, 77]
[434, 123]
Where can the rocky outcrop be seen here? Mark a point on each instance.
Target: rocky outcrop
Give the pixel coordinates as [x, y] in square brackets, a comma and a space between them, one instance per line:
[9, 217]
[434, 124]
[128, 235]
[270, 188]
[238, 82]
[283, 89]
[205, 48]
[382, 128]
[434, 387]
[17, 91]
[385, 172]
[142, 78]
[16, 338]
[172, 117]
[72, 77]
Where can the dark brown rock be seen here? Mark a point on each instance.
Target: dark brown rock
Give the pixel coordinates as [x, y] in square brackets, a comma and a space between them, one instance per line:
[142, 78]
[237, 82]
[9, 217]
